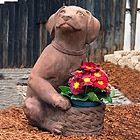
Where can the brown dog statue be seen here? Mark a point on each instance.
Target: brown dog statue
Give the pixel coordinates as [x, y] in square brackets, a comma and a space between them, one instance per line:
[71, 27]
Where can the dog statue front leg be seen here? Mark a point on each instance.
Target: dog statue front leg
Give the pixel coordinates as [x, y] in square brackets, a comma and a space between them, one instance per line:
[36, 114]
[46, 92]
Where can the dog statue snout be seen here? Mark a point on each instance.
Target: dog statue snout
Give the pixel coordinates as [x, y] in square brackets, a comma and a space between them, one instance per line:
[66, 18]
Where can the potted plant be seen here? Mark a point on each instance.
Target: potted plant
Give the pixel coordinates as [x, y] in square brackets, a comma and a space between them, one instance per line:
[88, 86]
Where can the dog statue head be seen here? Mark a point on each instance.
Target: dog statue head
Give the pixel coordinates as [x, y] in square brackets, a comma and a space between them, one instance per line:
[74, 18]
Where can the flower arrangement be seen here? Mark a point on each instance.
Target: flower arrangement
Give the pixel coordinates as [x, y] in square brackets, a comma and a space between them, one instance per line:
[88, 83]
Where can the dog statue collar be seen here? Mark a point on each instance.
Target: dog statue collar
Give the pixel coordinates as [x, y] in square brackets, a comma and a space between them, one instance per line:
[67, 51]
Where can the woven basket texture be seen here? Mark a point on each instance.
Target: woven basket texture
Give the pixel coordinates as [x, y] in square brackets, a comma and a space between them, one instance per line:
[80, 120]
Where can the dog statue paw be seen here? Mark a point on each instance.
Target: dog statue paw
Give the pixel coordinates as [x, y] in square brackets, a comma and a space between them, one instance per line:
[70, 28]
[62, 103]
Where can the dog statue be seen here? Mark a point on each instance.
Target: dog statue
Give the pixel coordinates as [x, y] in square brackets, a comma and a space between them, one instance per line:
[70, 28]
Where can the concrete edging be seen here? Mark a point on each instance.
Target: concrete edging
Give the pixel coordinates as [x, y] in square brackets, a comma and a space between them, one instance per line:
[125, 58]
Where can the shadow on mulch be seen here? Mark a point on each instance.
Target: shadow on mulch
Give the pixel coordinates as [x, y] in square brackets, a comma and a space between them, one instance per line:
[1, 77]
[121, 122]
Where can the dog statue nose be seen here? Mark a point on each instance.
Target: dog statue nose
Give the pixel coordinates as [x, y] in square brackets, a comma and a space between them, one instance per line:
[66, 18]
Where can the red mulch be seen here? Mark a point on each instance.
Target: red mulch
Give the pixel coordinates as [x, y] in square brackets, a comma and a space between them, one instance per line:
[121, 122]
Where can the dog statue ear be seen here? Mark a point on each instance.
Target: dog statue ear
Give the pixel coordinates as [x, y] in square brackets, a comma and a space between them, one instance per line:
[51, 25]
[93, 28]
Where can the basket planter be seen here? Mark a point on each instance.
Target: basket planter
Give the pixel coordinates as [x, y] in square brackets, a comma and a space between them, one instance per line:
[87, 120]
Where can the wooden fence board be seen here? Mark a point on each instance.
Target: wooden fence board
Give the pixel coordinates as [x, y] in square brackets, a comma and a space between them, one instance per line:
[24, 30]
[108, 27]
[1, 38]
[43, 20]
[112, 26]
[123, 9]
[133, 5]
[30, 34]
[5, 18]
[11, 34]
[17, 46]
[117, 25]
[96, 7]
[36, 32]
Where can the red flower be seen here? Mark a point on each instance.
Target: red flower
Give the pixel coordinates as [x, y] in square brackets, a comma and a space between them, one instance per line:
[89, 74]
[86, 73]
[103, 72]
[88, 80]
[77, 73]
[99, 75]
[88, 66]
[102, 84]
[76, 85]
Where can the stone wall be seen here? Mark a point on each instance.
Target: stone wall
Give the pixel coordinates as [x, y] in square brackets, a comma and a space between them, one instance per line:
[125, 58]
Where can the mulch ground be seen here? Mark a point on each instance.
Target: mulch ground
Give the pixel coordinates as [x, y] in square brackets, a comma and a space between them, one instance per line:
[121, 122]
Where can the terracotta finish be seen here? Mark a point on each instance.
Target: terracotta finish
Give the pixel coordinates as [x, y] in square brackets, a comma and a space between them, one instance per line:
[70, 28]
[79, 121]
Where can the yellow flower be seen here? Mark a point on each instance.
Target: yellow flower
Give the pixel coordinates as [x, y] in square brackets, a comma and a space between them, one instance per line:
[88, 67]
[79, 71]
[86, 79]
[76, 85]
[97, 74]
[100, 82]
[107, 87]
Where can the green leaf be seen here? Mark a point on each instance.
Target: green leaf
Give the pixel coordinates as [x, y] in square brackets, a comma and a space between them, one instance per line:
[65, 88]
[103, 90]
[112, 93]
[65, 94]
[93, 97]
[79, 97]
[108, 98]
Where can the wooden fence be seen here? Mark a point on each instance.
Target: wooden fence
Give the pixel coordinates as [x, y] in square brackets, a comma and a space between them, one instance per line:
[23, 28]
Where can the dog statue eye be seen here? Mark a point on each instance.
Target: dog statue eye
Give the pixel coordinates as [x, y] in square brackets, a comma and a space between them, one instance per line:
[80, 13]
[62, 12]
[88, 12]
